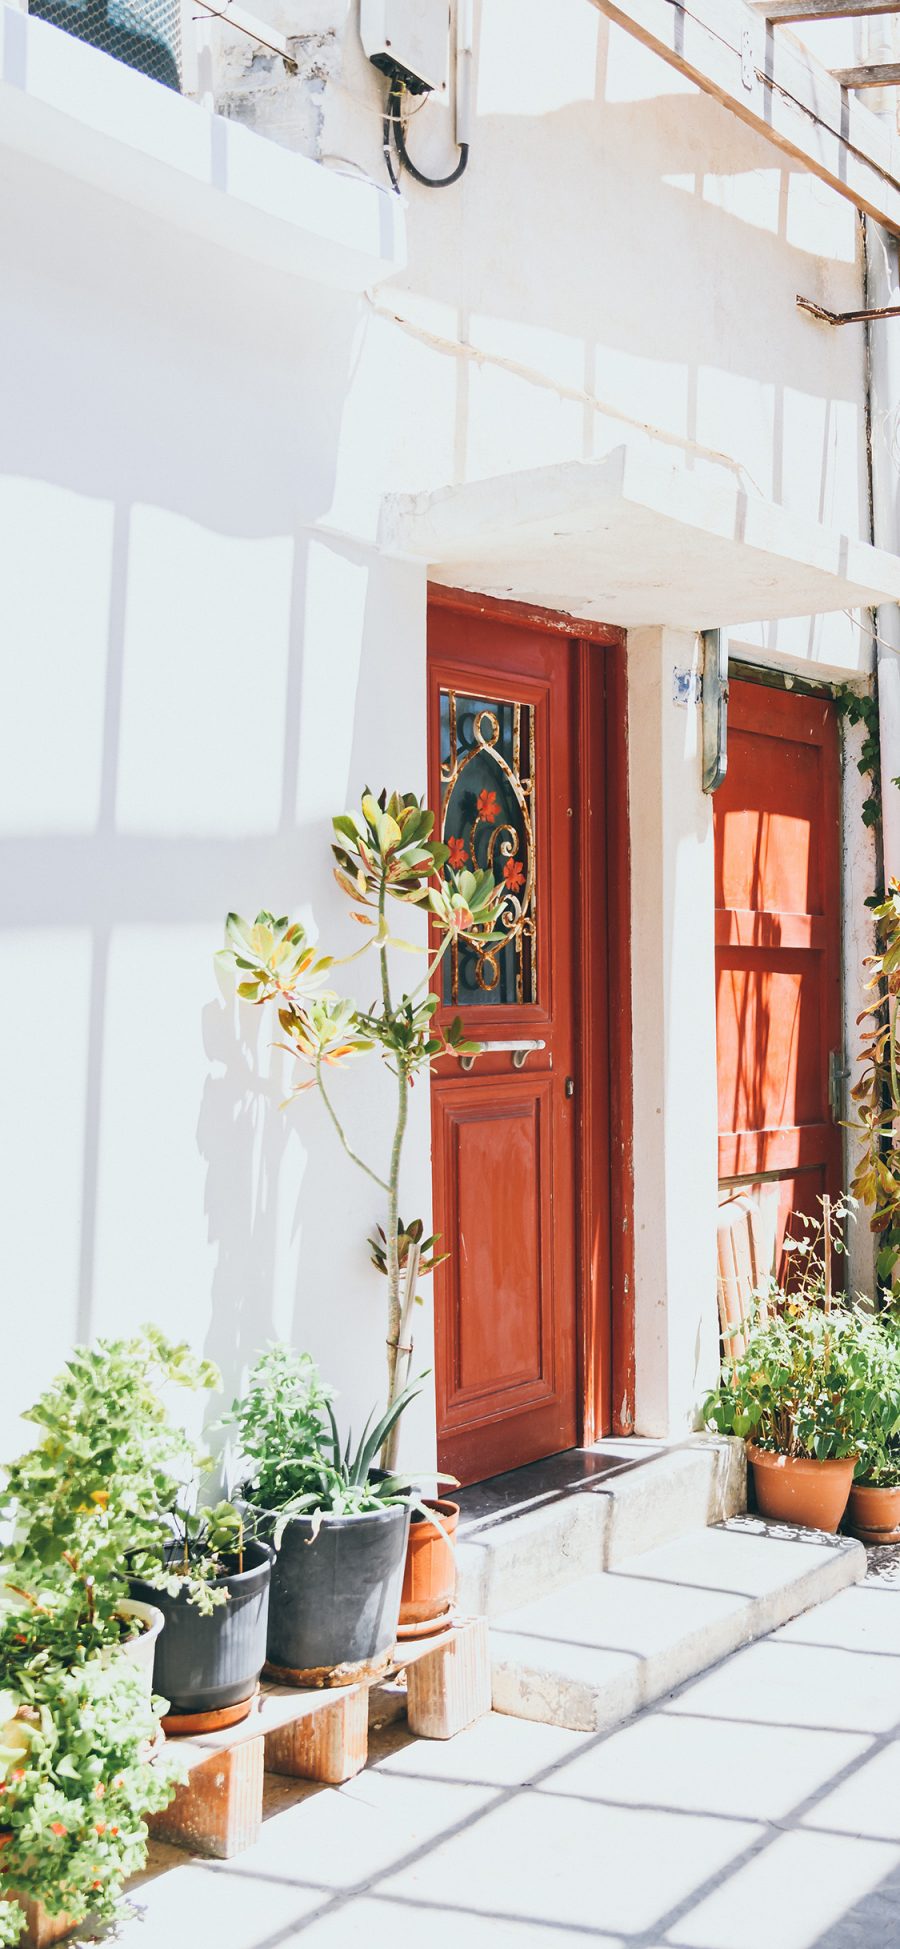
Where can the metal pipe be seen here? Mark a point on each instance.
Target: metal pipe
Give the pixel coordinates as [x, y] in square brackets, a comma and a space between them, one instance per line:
[847, 317]
[883, 382]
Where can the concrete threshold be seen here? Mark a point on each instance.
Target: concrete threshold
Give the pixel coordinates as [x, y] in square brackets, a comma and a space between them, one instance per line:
[590, 1655]
[543, 1527]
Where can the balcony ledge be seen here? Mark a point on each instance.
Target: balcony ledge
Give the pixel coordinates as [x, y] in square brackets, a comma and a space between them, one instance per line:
[78, 110]
[627, 540]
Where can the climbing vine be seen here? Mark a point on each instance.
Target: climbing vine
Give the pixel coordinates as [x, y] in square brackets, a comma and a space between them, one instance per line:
[877, 1093]
[861, 707]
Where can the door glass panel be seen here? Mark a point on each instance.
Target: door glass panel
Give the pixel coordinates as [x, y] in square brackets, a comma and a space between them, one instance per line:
[487, 820]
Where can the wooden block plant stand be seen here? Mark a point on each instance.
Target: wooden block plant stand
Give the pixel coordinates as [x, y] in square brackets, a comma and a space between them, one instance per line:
[321, 1735]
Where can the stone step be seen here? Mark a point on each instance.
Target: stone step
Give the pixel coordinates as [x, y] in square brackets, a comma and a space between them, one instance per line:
[647, 1494]
[590, 1655]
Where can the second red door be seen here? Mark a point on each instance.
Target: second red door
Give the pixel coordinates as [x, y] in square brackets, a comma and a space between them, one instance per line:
[778, 968]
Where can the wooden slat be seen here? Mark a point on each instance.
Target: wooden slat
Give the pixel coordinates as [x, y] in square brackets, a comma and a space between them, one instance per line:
[751, 1154]
[792, 99]
[745, 927]
[822, 9]
[885, 74]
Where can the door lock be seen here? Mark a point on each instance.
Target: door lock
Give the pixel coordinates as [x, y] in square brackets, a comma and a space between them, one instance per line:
[837, 1072]
[570, 1086]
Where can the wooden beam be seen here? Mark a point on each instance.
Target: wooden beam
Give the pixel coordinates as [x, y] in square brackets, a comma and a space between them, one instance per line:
[822, 9]
[778, 88]
[886, 74]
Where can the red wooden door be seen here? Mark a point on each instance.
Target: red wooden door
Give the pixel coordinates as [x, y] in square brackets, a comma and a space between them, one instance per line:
[778, 967]
[501, 702]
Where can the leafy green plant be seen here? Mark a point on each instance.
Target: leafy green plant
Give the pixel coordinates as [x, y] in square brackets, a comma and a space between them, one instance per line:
[205, 1545]
[877, 1094]
[294, 1461]
[386, 850]
[811, 1383]
[281, 1423]
[89, 1502]
[814, 1380]
[75, 1780]
[879, 1465]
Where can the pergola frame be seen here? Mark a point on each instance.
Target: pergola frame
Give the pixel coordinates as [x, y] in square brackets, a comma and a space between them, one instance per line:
[737, 53]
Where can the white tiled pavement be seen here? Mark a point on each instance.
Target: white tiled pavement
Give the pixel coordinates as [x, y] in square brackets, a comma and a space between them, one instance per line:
[756, 1808]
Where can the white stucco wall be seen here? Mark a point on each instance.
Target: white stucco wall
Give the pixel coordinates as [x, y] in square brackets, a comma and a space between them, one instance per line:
[194, 682]
[207, 655]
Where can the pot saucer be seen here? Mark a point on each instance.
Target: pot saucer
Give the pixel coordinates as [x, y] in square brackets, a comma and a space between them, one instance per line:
[180, 1724]
[428, 1627]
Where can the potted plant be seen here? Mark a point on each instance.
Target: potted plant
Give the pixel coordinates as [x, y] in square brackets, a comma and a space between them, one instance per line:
[809, 1388]
[429, 1577]
[385, 851]
[873, 1511]
[75, 1779]
[88, 1501]
[338, 1524]
[211, 1584]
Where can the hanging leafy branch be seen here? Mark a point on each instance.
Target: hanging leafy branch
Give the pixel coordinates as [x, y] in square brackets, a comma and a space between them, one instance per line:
[877, 1094]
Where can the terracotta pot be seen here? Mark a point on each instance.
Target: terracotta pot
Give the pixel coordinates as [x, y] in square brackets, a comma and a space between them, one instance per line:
[429, 1579]
[796, 1489]
[874, 1514]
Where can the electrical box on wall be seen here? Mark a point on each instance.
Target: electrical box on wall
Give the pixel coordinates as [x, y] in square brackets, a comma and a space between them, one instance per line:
[408, 37]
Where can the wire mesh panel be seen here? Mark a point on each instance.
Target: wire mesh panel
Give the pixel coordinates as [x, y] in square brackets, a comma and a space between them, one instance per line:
[145, 34]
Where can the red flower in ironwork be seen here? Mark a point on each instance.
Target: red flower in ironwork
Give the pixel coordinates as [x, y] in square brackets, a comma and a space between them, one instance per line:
[514, 874]
[487, 806]
[458, 853]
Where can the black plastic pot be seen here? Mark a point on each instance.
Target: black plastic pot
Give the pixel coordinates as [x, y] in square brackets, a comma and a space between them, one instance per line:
[204, 1663]
[336, 1596]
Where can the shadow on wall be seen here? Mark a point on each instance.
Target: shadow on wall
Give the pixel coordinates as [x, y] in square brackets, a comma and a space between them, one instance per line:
[197, 685]
[667, 242]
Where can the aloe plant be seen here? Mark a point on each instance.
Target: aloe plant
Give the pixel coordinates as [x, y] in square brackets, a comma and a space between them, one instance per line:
[386, 850]
[293, 1460]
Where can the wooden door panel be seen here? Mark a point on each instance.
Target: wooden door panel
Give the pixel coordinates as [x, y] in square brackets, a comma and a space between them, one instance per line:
[769, 1005]
[499, 1347]
[778, 999]
[770, 857]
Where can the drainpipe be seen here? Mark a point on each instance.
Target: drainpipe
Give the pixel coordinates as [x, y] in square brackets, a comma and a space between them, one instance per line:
[883, 414]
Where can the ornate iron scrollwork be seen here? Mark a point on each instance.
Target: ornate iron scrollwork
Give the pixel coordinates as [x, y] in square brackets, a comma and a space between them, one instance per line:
[487, 820]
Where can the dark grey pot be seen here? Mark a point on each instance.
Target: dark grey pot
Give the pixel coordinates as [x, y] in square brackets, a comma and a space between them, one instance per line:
[336, 1599]
[203, 1663]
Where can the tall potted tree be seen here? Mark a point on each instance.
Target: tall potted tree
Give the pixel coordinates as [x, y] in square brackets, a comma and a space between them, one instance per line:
[386, 851]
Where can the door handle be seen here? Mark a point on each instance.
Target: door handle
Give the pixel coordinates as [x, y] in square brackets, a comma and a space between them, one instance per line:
[520, 1052]
[837, 1071]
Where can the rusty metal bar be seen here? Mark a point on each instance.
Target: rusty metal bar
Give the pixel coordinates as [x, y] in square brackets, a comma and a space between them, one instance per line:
[847, 317]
